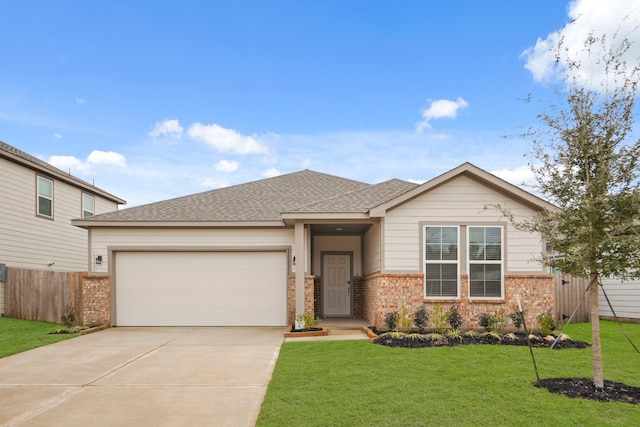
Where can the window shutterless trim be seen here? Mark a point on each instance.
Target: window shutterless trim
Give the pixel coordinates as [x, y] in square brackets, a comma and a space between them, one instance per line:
[500, 262]
[455, 262]
[83, 207]
[49, 198]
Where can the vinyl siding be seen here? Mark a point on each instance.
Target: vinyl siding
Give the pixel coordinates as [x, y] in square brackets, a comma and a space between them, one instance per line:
[333, 244]
[461, 201]
[372, 246]
[29, 241]
[624, 297]
[104, 239]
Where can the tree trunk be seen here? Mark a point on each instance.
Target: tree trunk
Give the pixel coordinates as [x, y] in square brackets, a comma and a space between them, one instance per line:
[598, 379]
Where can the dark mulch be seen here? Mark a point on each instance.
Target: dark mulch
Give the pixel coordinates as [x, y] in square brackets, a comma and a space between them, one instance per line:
[305, 330]
[435, 340]
[585, 389]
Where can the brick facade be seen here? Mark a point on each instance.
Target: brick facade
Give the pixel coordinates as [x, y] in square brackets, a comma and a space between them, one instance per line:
[385, 293]
[95, 305]
[308, 297]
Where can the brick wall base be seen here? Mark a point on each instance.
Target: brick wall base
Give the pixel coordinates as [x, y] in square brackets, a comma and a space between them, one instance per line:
[385, 293]
[309, 290]
[95, 301]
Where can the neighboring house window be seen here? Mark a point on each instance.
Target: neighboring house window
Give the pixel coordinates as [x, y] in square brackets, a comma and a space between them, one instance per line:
[485, 262]
[441, 262]
[45, 197]
[88, 205]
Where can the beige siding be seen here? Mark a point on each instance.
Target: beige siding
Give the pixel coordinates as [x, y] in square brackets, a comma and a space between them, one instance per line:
[624, 298]
[29, 241]
[372, 246]
[459, 202]
[104, 239]
[337, 244]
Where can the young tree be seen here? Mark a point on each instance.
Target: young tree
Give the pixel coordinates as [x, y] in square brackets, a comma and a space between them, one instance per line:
[585, 160]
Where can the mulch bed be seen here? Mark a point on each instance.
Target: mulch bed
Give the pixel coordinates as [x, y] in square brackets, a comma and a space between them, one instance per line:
[585, 389]
[436, 340]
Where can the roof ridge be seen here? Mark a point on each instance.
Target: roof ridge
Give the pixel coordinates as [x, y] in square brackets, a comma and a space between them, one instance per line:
[44, 165]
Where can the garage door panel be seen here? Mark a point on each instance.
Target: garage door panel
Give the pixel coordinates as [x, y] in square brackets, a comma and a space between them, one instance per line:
[201, 288]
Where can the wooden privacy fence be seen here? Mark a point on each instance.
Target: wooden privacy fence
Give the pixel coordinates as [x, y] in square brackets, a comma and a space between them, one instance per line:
[41, 295]
[569, 294]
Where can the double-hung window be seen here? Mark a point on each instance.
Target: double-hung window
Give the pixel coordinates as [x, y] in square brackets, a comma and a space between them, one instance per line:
[485, 262]
[88, 205]
[45, 197]
[441, 262]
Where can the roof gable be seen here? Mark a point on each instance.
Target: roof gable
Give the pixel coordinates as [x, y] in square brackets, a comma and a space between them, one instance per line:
[474, 172]
[27, 160]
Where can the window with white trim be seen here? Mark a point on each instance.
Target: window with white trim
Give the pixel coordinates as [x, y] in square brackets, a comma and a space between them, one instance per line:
[441, 259]
[88, 205]
[485, 255]
[45, 197]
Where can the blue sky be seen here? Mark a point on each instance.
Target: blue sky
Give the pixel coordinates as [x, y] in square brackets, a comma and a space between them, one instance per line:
[157, 99]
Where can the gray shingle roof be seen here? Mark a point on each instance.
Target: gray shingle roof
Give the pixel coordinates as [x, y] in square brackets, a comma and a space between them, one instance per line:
[361, 200]
[263, 200]
[35, 163]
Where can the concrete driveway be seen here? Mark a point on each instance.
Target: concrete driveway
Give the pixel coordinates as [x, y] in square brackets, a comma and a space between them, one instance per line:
[159, 376]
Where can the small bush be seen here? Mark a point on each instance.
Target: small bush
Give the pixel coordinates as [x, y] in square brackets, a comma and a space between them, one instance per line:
[485, 321]
[309, 320]
[69, 315]
[440, 319]
[517, 317]
[499, 320]
[421, 318]
[404, 322]
[546, 323]
[454, 317]
[492, 322]
[391, 319]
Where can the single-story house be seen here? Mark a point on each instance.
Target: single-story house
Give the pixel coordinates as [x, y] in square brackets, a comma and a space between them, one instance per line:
[259, 253]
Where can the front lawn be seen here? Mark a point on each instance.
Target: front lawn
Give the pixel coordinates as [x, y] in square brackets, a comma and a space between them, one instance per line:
[21, 335]
[325, 383]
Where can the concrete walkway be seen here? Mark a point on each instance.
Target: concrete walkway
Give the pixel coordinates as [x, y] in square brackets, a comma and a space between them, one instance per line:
[183, 376]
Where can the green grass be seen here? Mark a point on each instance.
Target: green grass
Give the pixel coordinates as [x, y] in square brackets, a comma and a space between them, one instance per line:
[17, 335]
[356, 383]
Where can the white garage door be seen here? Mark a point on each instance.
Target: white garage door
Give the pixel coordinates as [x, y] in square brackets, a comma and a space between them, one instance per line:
[201, 288]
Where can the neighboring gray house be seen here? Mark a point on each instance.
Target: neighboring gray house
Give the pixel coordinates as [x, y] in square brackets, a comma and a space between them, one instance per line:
[262, 252]
[38, 203]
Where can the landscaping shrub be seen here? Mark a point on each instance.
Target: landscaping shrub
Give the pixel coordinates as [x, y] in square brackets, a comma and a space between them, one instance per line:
[440, 319]
[404, 322]
[391, 319]
[421, 318]
[546, 323]
[454, 317]
[517, 316]
[492, 322]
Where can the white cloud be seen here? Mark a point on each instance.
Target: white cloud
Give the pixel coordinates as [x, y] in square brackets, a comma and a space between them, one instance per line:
[226, 140]
[80, 101]
[169, 129]
[440, 108]
[596, 17]
[106, 158]
[70, 164]
[517, 176]
[270, 173]
[98, 158]
[57, 136]
[226, 166]
[417, 181]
